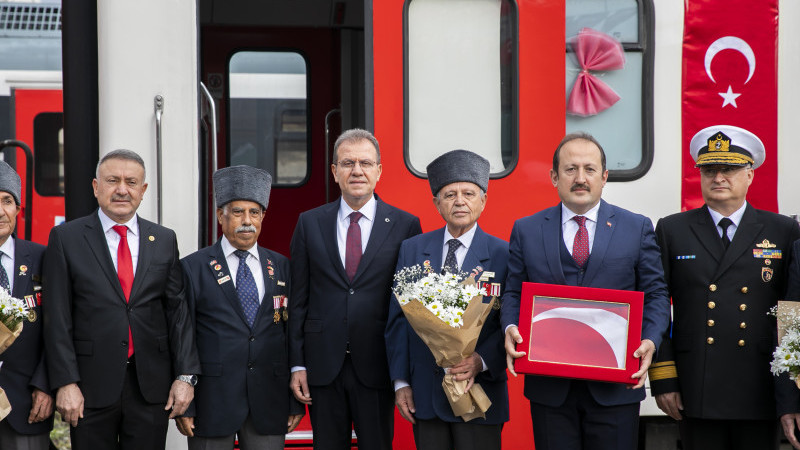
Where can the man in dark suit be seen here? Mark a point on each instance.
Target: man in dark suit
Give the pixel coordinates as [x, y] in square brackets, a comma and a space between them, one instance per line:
[343, 259]
[726, 265]
[117, 327]
[459, 180]
[23, 374]
[584, 241]
[237, 294]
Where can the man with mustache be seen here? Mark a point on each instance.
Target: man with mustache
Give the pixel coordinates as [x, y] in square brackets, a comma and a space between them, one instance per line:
[119, 342]
[237, 294]
[726, 265]
[343, 259]
[24, 372]
[585, 241]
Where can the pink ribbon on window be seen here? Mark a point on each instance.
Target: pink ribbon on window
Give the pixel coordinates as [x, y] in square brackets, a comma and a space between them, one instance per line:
[595, 51]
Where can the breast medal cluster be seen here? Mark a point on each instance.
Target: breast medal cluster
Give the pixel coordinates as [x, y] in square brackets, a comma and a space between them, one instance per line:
[766, 250]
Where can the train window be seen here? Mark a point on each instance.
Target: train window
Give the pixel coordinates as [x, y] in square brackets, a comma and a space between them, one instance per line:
[626, 128]
[460, 78]
[268, 114]
[48, 145]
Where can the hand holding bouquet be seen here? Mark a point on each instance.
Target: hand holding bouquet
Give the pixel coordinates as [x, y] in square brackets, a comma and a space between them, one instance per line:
[13, 313]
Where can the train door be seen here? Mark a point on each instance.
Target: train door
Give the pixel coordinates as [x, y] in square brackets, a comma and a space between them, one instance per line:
[277, 93]
[39, 122]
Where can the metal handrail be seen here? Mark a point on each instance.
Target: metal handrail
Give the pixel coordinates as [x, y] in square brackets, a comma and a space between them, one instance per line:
[328, 153]
[213, 108]
[158, 103]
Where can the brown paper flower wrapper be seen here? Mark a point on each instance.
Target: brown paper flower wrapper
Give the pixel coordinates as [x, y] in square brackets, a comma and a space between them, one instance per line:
[450, 346]
[7, 337]
[5, 406]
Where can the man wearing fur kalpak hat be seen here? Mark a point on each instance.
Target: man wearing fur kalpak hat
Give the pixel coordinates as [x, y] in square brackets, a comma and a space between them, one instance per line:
[459, 180]
[726, 264]
[24, 372]
[237, 294]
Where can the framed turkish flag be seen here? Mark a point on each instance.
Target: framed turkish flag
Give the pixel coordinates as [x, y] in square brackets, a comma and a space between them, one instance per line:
[579, 332]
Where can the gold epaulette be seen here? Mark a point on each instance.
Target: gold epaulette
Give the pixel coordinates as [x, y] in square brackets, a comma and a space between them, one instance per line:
[662, 370]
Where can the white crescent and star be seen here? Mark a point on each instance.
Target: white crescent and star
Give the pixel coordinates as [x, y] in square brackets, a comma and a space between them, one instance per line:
[611, 326]
[730, 43]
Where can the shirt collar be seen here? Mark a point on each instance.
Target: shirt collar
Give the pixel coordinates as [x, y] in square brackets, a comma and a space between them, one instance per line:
[107, 222]
[465, 239]
[8, 247]
[368, 210]
[567, 214]
[228, 248]
[736, 217]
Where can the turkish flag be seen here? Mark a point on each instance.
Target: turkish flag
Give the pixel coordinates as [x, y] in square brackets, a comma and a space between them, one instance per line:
[730, 57]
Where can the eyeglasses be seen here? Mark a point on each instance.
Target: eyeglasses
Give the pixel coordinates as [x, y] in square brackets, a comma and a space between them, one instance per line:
[349, 164]
[725, 171]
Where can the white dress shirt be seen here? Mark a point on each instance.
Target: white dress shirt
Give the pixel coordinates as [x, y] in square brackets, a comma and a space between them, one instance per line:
[113, 238]
[253, 263]
[365, 223]
[569, 228]
[7, 261]
[736, 218]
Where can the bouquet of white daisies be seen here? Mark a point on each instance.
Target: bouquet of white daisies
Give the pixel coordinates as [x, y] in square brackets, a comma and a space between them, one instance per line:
[786, 357]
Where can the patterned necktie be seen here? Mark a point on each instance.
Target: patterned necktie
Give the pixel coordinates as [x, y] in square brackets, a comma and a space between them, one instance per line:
[580, 246]
[246, 288]
[724, 223]
[450, 262]
[352, 252]
[125, 272]
[4, 277]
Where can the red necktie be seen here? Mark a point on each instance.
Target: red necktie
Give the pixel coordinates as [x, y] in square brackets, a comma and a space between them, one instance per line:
[580, 246]
[352, 252]
[125, 272]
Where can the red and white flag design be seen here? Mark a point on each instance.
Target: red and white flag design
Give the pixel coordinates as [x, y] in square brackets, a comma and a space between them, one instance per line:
[588, 333]
[730, 58]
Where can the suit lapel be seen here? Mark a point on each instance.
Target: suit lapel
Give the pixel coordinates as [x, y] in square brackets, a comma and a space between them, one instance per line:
[327, 228]
[97, 243]
[269, 283]
[706, 232]
[551, 235]
[433, 249]
[478, 252]
[603, 231]
[22, 280]
[746, 233]
[146, 248]
[217, 259]
[381, 227]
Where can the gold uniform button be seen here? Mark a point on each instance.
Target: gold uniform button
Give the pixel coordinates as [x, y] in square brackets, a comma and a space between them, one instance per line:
[741, 343]
[743, 325]
[711, 322]
[712, 305]
[710, 340]
[712, 288]
[742, 307]
[744, 290]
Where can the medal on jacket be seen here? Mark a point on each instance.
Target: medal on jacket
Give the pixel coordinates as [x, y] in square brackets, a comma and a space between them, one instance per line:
[30, 302]
[276, 305]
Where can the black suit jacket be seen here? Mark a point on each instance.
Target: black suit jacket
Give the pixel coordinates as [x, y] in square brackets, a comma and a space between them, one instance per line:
[24, 367]
[86, 317]
[243, 369]
[327, 310]
[724, 296]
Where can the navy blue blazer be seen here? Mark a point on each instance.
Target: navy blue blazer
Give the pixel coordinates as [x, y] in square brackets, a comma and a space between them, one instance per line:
[327, 310]
[624, 256]
[409, 357]
[243, 369]
[24, 367]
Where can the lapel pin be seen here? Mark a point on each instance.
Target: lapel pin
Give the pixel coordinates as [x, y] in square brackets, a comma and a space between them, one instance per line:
[218, 267]
[151, 238]
[608, 223]
[23, 270]
[387, 220]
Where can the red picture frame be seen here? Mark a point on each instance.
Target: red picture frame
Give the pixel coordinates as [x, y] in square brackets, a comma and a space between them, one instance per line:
[579, 332]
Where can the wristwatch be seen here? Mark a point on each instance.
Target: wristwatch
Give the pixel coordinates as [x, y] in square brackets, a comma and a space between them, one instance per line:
[191, 379]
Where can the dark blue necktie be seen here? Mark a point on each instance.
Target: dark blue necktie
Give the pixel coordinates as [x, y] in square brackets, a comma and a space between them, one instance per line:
[450, 261]
[246, 288]
[4, 277]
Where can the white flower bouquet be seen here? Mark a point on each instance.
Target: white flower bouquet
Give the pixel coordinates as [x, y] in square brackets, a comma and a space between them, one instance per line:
[786, 357]
[13, 313]
[447, 311]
